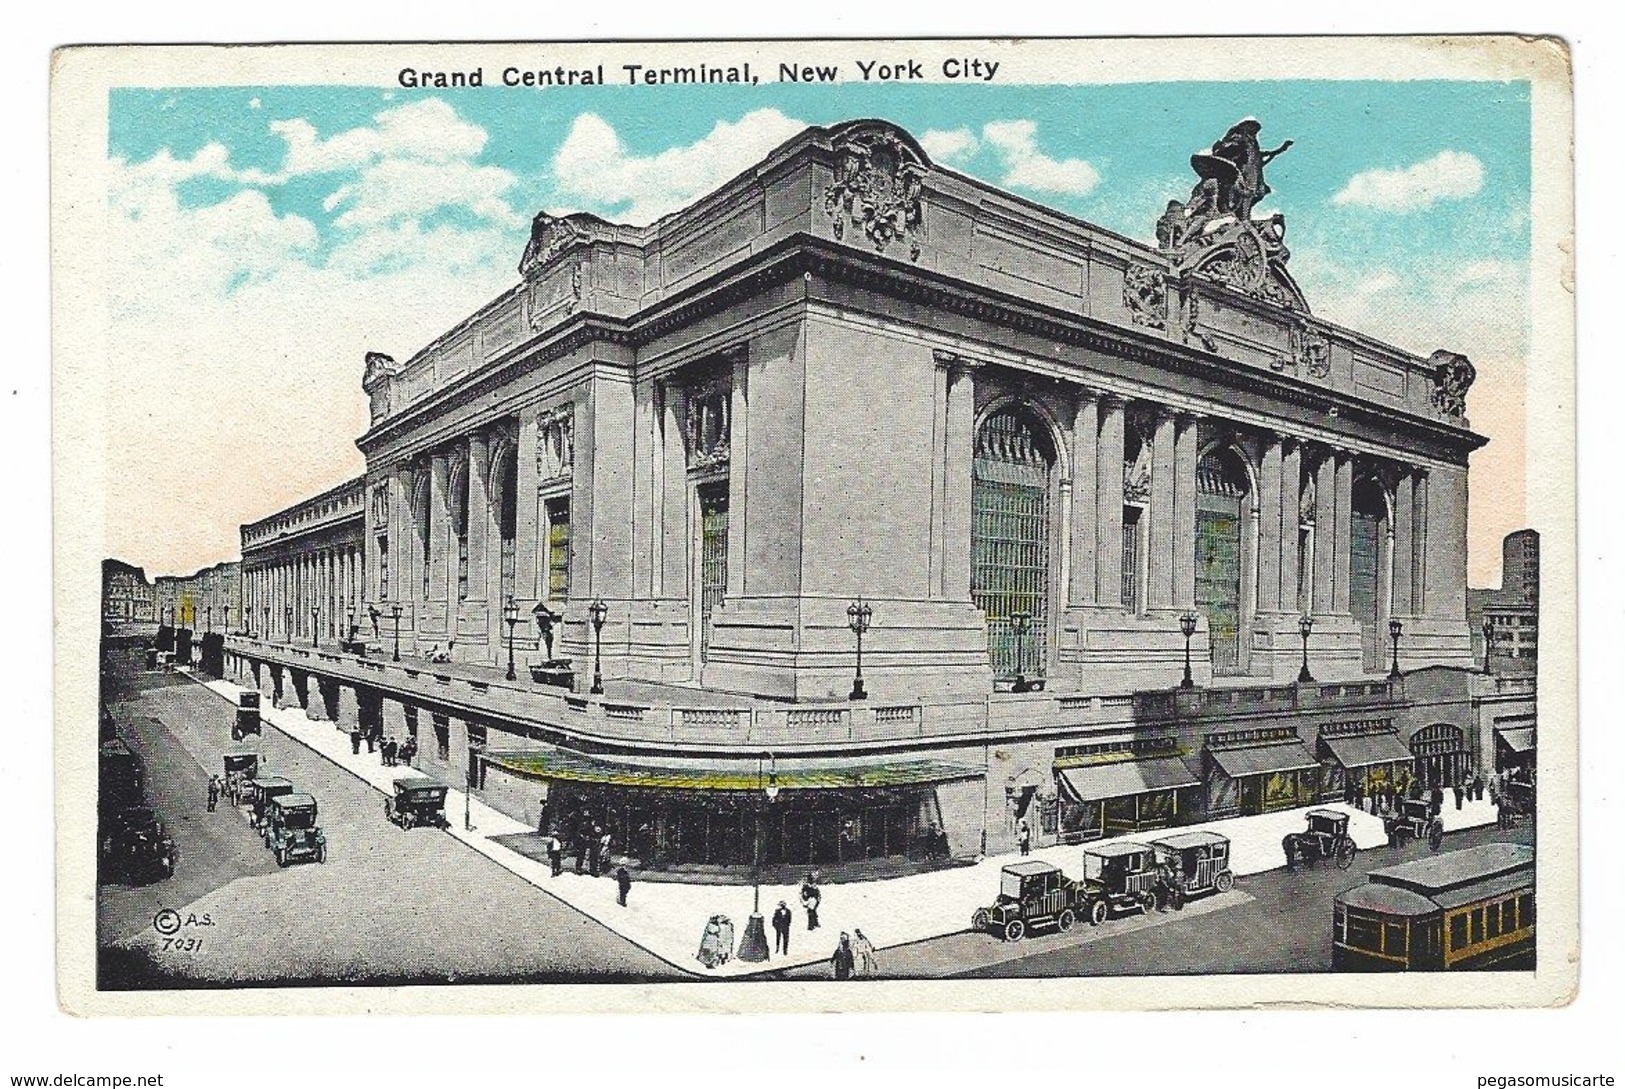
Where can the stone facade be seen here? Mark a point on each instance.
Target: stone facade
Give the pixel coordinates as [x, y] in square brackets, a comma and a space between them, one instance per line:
[1512, 610]
[209, 599]
[127, 596]
[302, 568]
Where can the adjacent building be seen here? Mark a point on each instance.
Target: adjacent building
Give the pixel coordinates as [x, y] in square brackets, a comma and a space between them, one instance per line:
[1129, 535]
[127, 596]
[1506, 621]
[207, 600]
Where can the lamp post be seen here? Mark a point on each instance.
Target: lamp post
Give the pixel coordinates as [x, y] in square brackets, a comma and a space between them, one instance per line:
[1021, 624]
[1394, 628]
[1306, 624]
[1187, 625]
[395, 612]
[349, 631]
[1488, 628]
[287, 623]
[858, 615]
[208, 618]
[265, 629]
[753, 946]
[315, 623]
[598, 610]
[510, 613]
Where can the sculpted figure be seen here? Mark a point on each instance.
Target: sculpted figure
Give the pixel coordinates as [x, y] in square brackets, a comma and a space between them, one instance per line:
[1240, 147]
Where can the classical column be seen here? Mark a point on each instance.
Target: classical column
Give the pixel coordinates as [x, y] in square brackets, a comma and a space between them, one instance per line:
[960, 450]
[1404, 548]
[1419, 545]
[1109, 452]
[480, 527]
[1164, 470]
[738, 466]
[1270, 526]
[1345, 522]
[1184, 542]
[442, 579]
[1289, 520]
[1325, 531]
[1085, 497]
[527, 532]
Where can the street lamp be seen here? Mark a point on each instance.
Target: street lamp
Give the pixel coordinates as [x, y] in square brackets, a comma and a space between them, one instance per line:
[1489, 637]
[510, 613]
[1394, 628]
[349, 631]
[753, 946]
[208, 618]
[1021, 624]
[1187, 625]
[598, 610]
[265, 629]
[315, 623]
[858, 615]
[1306, 624]
[395, 612]
[287, 623]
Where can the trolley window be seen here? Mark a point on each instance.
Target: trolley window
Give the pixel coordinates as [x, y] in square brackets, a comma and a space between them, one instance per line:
[1526, 909]
[1393, 937]
[1458, 931]
[1364, 932]
[1478, 925]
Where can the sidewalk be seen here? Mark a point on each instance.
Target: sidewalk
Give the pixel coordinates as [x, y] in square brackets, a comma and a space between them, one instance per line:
[667, 918]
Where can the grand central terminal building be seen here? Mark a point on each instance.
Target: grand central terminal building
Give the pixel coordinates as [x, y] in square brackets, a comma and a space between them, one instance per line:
[1128, 536]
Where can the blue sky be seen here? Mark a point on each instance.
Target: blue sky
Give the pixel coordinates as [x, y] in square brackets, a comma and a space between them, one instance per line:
[271, 235]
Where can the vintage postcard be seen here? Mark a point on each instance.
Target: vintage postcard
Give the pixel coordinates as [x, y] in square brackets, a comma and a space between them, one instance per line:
[815, 525]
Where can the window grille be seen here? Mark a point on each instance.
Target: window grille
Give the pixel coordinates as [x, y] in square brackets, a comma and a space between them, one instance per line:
[383, 567]
[1131, 559]
[558, 549]
[1220, 486]
[1010, 540]
[713, 554]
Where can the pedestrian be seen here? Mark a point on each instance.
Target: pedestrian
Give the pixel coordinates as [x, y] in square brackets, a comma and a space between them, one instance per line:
[214, 792]
[409, 751]
[604, 842]
[594, 846]
[1460, 793]
[581, 852]
[388, 748]
[865, 949]
[1024, 836]
[623, 882]
[713, 950]
[781, 928]
[355, 741]
[1478, 786]
[372, 741]
[555, 854]
[810, 899]
[841, 960]
[1436, 800]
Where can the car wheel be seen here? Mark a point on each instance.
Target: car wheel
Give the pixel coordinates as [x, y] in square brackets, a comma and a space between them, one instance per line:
[1345, 854]
[281, 857]
[1148, 902]
[1435, 836]
[1015, 930]
[1225, 881]
[1066, 919]
[981, 920]
[1098, 912]
[321, 853]
[1177, 899]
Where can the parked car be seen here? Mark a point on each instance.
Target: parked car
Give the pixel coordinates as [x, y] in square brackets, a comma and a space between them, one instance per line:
[248, 716]
[418, 800]
[1030, 894]
[259, 793]
[240, 767]
[135, 846]
[1117, 878]
[292, 831]
[1192, 864]
[1414, 820]
[1326, 837]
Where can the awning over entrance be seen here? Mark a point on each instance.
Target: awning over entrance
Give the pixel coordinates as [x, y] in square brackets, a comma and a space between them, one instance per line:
[1265, 759]
[580, 768]
[1098, 782]
[1520, 739]
[1365, 750]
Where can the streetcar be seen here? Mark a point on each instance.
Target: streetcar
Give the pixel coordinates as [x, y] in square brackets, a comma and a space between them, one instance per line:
[1467, 910]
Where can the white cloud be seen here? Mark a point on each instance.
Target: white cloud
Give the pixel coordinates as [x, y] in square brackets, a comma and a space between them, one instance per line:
[1378, 282]
[397, 189]
[594, 166]
[1025, 167]
[253, 103]
[428, 130]
[1449, 175]
[950, 145]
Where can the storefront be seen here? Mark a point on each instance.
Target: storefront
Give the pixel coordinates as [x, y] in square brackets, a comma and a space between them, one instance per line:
[708, 816]
[1514, 748]
[1259, 772]
[1360, 763]
[1108, 796]
[1441, 756]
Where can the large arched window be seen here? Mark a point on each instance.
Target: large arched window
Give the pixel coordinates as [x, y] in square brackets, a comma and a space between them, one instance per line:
[1221, 553]
[1012, 481]
[1367, 533]
[507, 510]
[420, 529]
[459, 523]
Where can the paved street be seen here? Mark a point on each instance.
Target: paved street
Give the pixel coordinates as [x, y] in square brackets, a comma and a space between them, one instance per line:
[1272, 922]
[388, 906]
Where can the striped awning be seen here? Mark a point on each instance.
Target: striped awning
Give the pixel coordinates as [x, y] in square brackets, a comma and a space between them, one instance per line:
[1365, 750]
[700, 775]
[1263, 759]
[1098, 782]
[1520, 739]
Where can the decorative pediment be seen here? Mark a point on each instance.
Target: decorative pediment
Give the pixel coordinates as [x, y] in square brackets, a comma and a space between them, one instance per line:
[555, 445]
[549, 237]
[1453, 376]
[879, 178]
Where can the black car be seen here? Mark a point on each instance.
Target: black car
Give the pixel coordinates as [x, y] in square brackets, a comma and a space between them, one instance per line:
[134, 845]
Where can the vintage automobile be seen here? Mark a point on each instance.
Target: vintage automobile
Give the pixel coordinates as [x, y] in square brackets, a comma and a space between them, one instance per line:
[1192, 864]
[259, 793]
[1030, 894]
[248, 716]
[291, 830]
[1118, 877]
[240, 767]
[1414, 820]
[1518, 800]
[418, 800]
[135, 846]
[1326, 837]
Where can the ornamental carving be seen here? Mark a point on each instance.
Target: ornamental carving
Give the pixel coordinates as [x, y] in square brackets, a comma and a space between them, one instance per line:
[555, 445]
[553, 298]
[380, 505]
[707, 426]
[549, 237]
[1314, 354]
[878, 182]
[375, 380]
[1453, 376]
[1306, 501]
[1137, 474]
[1145, 293]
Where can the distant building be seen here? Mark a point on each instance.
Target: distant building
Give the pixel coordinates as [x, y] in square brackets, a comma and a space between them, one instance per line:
[1512, 610]
[304, 567]
[209, 599]
[127, 596]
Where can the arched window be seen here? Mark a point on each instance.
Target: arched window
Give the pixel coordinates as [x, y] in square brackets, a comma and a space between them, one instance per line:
[420, 529]
[507, 503]
[1367, 533]
[1012, 481]
[459, 523]
[1221, 512]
